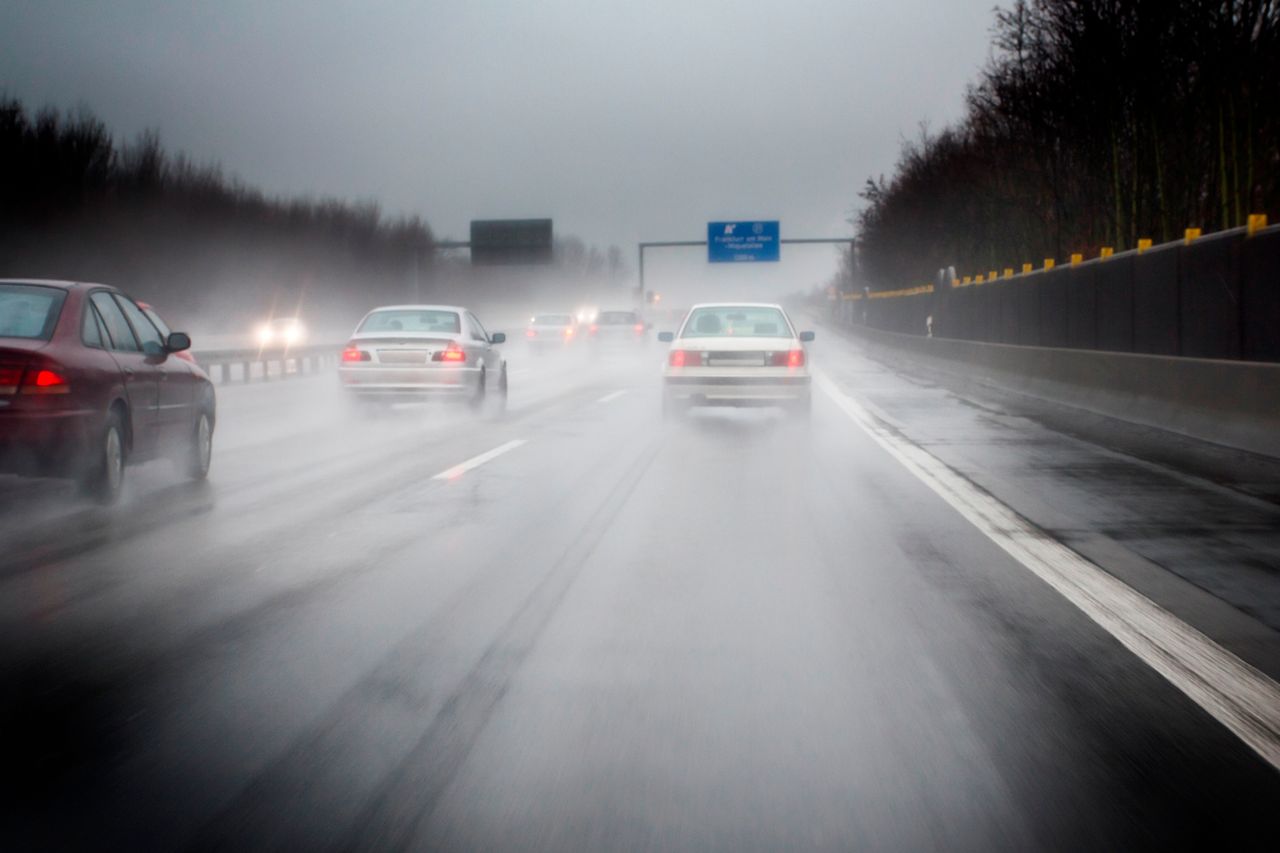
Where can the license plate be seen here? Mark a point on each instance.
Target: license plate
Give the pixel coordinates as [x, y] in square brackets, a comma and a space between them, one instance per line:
[400, 356]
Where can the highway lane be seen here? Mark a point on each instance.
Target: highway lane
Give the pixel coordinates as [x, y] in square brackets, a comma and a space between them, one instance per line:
[733, 632]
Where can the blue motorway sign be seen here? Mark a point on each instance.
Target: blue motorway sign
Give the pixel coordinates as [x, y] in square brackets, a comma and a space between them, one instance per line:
[737, 242]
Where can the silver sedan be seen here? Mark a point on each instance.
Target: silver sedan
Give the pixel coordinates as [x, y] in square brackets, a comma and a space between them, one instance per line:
[420, 352]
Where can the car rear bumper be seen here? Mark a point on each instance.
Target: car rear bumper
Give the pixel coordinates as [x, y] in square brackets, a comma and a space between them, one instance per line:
[409, 383]
[45, 443]
[737, 389]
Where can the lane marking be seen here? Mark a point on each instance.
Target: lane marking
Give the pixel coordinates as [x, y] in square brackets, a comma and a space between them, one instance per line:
[609, 398]
[476, 461]
[1236, 694]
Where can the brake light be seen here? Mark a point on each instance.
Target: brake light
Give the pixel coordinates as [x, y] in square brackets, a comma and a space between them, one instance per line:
[45, 381]
[568, 331]
[10, 376]
[530, 333]
[452, 354]
[351, 354]
[593, 328]
[639, 328]
[684, 358]
[788, 358]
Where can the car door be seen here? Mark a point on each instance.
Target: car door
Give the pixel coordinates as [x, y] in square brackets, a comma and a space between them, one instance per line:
[141, 374]
[176, 383]
[479, 339]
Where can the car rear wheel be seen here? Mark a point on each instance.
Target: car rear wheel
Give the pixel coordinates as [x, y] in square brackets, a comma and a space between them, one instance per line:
[500, 407]
[200, 452]
[477, 399]
[104, 478]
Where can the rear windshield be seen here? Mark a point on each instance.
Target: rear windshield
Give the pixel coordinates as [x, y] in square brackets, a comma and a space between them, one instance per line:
[736, 321]
[617, 318]
[553, 320]
[412, 320]
[29, 310]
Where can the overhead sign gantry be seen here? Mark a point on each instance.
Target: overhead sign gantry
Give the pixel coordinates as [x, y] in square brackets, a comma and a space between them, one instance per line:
[749, 241]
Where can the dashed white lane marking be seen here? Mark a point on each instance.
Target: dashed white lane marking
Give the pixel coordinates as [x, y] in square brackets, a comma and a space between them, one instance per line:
[476, 461]
[1240, 697]
[609, 398]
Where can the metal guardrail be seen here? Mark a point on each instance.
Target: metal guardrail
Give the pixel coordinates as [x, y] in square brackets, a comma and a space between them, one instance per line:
[265, 364]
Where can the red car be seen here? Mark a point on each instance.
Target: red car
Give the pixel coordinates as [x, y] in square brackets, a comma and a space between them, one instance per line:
[89, 383]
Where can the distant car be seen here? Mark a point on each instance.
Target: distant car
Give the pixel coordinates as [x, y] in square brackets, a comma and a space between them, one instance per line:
[618, 327]
[738, 355]
[282, 333]
[423, 352]
[89, 383]
[551, 331]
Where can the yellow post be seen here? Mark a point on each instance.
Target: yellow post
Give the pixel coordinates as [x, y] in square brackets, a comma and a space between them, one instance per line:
[1192, 235]
[1049, 263]
[967, 280]
[1257, 221]
[978, 279]
[1106, 252]
[1008, 272]
[1144, 244]
[1076, 259]
[955, 282]
[991, 276]
[1026, 268]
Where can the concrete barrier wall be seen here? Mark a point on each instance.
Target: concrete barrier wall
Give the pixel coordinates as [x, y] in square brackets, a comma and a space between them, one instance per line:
[1233, 403]
[1217, 297]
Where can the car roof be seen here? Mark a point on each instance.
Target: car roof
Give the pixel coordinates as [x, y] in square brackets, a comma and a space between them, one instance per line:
[53, 282]
[737, 305]
[453, 308]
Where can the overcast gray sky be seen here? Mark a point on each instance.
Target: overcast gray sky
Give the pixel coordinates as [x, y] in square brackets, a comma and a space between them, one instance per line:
[622, 121]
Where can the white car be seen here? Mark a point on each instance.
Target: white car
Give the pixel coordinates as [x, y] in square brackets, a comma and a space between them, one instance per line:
[736, 354]
[620, 328]
[418, 352]
[551, 331]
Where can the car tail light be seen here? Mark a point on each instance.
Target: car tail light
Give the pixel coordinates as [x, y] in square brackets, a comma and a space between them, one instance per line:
[639, 327]
[788, 358]
[45, 380]
[452, 354]
[568, 331]
[530, 333]
[685, 358]
[10, 376]
[593, 328]
[351, 354]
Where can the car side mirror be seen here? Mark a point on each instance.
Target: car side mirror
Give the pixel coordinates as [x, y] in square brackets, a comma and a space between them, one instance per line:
[805, 337]
[666, 337]
[498, 338]
[177, 342]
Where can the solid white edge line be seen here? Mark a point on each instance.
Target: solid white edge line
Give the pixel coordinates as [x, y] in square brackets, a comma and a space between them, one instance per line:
[1236, 694]
[476, 461]
[609, 398]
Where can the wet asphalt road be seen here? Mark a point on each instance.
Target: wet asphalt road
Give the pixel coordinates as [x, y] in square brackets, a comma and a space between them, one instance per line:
[732, 632]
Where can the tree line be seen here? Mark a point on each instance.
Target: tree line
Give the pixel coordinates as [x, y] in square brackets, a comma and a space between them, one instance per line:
[76, 203]
[1095, 123]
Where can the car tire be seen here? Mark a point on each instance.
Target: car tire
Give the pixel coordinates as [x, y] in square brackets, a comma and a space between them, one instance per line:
[200, 451]
[104, 479]
[477, 399]
[500, 405]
